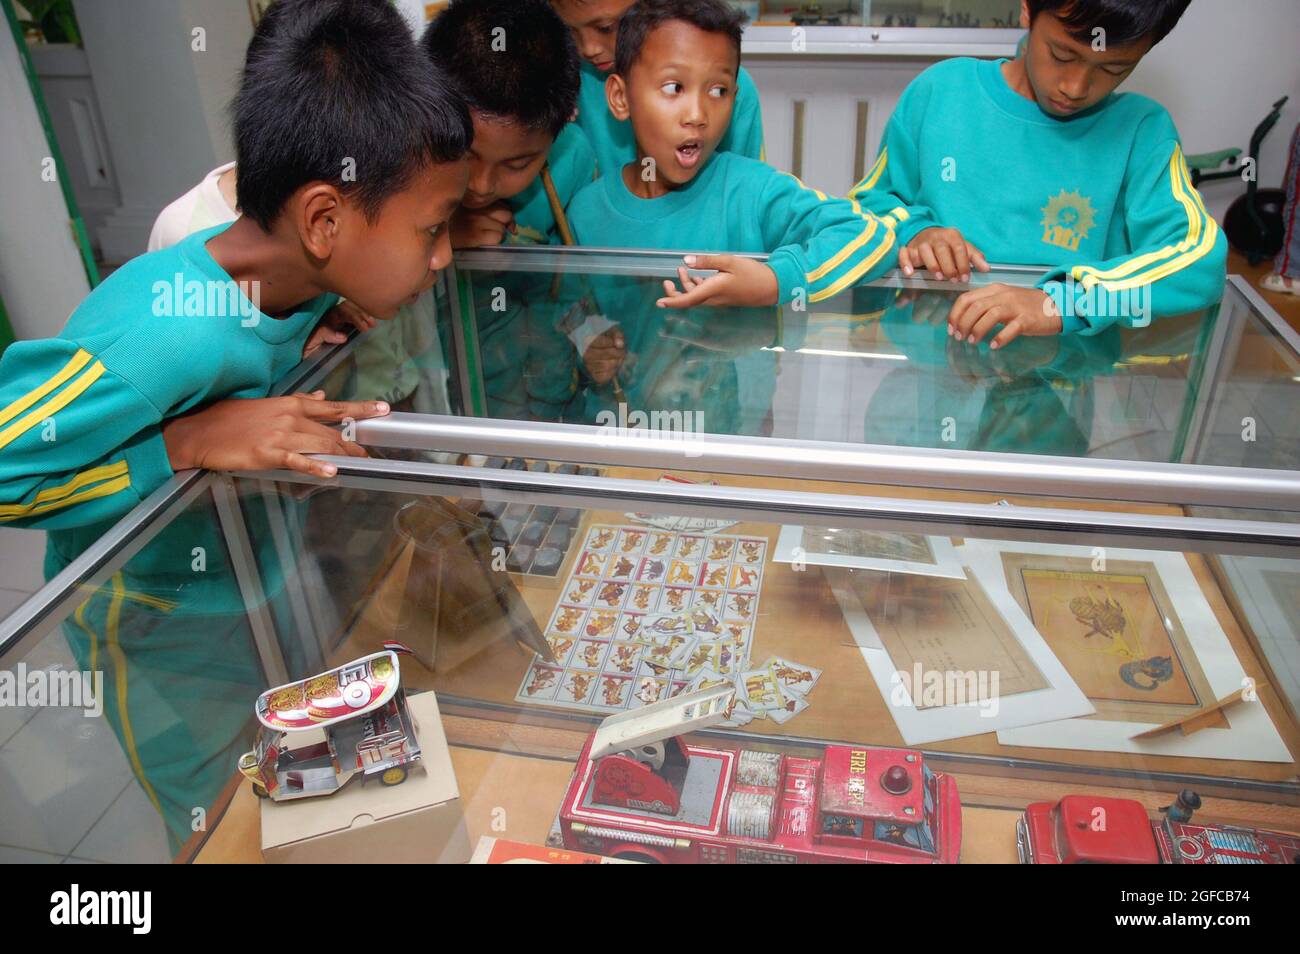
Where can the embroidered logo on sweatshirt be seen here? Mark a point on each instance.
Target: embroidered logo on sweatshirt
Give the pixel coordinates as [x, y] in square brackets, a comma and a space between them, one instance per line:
[1068, 217]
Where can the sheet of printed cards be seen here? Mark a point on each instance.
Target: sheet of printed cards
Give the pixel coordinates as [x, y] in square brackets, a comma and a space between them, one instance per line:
[646, 614]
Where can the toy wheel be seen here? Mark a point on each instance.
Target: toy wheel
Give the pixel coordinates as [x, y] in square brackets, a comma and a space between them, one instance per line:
[393, 776]
[260, 791]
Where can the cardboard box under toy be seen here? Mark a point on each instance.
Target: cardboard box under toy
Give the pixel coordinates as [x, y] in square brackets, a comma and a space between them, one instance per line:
[418, 821]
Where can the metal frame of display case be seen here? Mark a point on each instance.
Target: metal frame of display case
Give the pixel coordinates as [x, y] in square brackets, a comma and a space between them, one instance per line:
[58, 599]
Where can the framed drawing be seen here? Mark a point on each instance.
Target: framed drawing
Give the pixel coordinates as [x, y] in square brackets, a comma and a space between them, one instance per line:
[1139, 638]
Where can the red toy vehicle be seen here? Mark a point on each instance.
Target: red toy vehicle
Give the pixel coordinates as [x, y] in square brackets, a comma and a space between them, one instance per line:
[1083, 829]
[639, 792]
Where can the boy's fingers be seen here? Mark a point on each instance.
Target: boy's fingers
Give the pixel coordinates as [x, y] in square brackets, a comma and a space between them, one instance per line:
[947, 263]
[717, 263]
[905, 260]
[961, 261]
[930, 260]
[670, 289]
[306, 465]
[1010, 331]
[988, 321]
[334, 411]
[700, 293]
[965, 314]
[977, 257]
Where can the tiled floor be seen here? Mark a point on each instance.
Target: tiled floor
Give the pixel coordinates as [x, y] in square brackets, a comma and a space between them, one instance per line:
[66, 791]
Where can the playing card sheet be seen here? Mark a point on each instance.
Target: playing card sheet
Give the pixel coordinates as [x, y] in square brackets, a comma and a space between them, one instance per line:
[645, 614]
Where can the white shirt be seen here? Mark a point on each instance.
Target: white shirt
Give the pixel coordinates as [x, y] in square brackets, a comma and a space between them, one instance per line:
[201, 208]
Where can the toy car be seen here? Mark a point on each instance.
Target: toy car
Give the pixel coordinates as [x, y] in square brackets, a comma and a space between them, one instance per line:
[1082, 829]
[318, 733]
[641, 793]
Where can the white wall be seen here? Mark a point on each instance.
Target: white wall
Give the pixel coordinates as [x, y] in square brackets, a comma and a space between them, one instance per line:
[1219, 73]
[163, 101]
[41, 275]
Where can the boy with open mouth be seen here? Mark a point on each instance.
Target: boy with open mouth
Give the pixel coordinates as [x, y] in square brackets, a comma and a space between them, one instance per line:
[675, 81]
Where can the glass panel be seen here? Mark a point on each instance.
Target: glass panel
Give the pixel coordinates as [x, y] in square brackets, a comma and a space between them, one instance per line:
[410, 361]
[118, 730]
[873, 364]
[978, 665]
[535, 615]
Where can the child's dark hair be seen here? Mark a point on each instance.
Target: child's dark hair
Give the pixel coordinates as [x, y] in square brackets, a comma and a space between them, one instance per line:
[1125, 21]
[643, 17]
[511, 58]
[338, 91]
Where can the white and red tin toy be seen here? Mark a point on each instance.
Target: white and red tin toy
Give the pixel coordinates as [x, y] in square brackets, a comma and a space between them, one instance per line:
[317, 733]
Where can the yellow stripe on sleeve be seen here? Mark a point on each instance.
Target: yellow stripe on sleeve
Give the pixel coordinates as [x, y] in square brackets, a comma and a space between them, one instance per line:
[106, 489]
[835, 260]
[1200, 225]
[858, 271]
[79, 361]
[873, 175]
[52, 495]
[53, 405]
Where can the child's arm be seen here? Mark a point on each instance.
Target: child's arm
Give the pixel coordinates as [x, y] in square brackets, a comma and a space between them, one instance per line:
[79, 444]
[1178, 258]
[892, 186]
[891, 189]
[821, 246]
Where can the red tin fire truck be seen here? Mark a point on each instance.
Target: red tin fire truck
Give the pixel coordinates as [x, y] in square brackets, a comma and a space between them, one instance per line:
[640, 792]
[1080, 829]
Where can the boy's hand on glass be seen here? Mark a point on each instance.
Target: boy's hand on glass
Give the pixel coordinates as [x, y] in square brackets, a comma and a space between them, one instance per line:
[1020, 311]
[472, 228]
[334, 325]
[266, 433]
[739, 281]
[604, 356]
[944, 252]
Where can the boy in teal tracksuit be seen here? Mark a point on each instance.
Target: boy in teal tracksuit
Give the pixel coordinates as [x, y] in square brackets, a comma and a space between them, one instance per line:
[595, 28]
[167, 365]
[675, 83]
[526, 163]
[1037, 161]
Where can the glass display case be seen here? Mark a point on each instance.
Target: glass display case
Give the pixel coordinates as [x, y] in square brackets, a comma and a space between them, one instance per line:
[1069, 567]
[991, 14]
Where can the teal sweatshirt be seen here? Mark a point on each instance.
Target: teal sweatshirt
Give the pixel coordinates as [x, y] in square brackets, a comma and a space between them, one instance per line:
[1103, 198]
[570, 164]
[615, 145]
[80, 413]
[815, 242]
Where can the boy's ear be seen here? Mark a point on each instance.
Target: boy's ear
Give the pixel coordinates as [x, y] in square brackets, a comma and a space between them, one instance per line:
[1024, 15]
[616, 97]
[320, 209]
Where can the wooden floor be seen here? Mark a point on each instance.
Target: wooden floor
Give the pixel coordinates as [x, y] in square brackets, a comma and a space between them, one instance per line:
[1288, 306]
